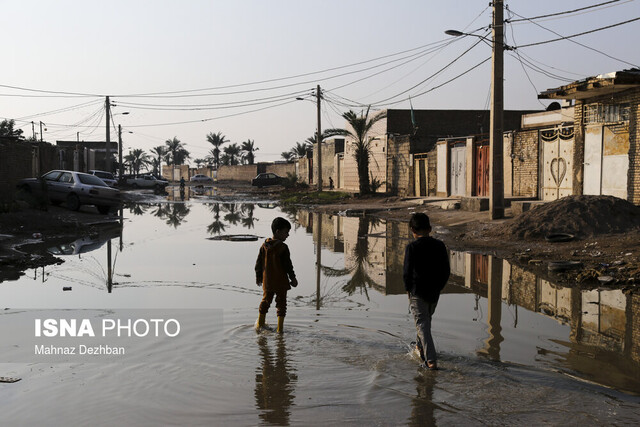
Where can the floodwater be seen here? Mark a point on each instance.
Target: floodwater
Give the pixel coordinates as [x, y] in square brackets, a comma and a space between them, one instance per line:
[513, 348]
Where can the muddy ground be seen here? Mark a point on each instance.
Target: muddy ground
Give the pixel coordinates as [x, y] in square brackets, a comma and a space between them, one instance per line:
[604, 252]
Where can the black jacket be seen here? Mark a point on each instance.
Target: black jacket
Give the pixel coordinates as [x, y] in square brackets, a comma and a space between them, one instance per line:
[426, 268]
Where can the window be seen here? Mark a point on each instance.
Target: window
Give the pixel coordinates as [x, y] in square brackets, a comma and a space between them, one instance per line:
[606, 113]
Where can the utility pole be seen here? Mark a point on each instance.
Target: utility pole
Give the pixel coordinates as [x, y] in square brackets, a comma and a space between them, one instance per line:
[319, 139]
[33, 130]
[120, 169]
[41, 131]
[496, 170]
[107, 145]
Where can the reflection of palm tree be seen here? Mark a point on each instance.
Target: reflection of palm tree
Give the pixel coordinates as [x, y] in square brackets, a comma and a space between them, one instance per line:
[161, 211]
[138, 209]
[359, 276]
[233, 217]
[217, 226]
[248, 220]
[177, 214]
[275, 383]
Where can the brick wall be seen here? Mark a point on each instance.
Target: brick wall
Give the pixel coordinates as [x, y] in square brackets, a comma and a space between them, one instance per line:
[634, 324]
[525, 163]
[399, 169]
[523, 290]
[432, 173]
[578, 149]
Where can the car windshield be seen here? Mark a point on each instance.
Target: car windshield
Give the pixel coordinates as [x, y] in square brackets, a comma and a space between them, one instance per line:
[52, 176]
[91, 180]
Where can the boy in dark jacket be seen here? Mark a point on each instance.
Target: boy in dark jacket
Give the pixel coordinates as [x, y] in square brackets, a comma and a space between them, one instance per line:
[274, 272]
[426, 271]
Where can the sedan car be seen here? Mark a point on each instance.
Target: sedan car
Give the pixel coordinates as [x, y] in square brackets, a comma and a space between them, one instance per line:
[73, 188]
[107, 177]
[266, 179]
[202, 179]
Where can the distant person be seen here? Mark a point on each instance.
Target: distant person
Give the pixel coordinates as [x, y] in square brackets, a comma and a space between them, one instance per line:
[330, 183]
[426, 271]
[182, 183]
[274, 272]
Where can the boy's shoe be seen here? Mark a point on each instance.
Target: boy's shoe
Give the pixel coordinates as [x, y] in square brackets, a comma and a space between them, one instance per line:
[419, 349]
[432, 365]
[260, 322]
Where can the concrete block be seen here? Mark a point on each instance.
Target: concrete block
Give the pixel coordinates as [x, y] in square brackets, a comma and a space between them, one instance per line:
[449, 205]
[474, 204]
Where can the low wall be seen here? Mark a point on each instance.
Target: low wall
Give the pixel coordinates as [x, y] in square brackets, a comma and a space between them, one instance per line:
[237, 173]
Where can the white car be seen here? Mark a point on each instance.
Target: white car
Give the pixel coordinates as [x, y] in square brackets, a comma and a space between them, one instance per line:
[107, 177]
[202, 179]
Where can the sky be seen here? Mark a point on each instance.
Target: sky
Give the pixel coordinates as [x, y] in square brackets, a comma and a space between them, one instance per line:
[187, 68]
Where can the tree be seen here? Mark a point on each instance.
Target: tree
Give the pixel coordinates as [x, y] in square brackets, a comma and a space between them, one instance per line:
[300, 150]
[137, 159]
[287, 155]
[159, 151]
[176, 154]
[216, 139]
[7, 130]
[199, 162]
[360, 127]
[232, 153]
[248, 149]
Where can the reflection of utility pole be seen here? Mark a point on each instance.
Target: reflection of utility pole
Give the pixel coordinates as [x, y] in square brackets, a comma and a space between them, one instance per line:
[121, 226]
[494, 307]
[109, 272]
[120, 169]
[318, 260]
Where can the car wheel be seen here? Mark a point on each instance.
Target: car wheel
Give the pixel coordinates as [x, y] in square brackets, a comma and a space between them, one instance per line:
[104, 210]
[73, 202]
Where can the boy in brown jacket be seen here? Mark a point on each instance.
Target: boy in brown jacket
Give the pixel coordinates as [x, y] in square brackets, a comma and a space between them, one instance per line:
[274, 272]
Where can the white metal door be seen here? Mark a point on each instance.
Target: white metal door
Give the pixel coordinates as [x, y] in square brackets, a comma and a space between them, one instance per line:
[593, 160]
[458, 171]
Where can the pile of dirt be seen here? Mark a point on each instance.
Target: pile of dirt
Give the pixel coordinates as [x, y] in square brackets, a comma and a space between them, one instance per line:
[582, 216]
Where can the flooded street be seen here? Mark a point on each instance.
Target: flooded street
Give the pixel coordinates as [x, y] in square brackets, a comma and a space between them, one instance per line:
[514, 348]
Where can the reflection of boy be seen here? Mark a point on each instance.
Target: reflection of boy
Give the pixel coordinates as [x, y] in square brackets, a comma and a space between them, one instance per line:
[426, 271]
[274, 272]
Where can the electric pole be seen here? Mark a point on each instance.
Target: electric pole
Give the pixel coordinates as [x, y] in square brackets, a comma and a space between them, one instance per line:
[496, 170]
[107, 145]
[319, 138]
[120, 170]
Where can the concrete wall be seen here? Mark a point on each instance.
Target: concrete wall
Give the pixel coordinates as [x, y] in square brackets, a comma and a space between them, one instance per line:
[237, 173]
[280, 169]
[442, 152]
[377, 158]
[330, 148]
[22, 159]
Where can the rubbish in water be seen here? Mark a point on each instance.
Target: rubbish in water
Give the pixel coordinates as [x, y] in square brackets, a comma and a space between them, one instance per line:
[66, 288]
[559, 237]
[9, 380]
[236, 237]
[563, 265]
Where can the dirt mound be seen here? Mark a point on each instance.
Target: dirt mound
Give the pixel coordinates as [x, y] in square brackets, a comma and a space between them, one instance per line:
[582, 216]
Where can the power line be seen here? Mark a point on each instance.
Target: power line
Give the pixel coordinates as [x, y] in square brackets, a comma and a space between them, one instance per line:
[579, 34]
[561, 13]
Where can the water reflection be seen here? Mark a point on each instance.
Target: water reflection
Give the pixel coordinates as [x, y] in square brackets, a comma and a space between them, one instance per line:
[422, 406]
[604, 324]
[275, 382]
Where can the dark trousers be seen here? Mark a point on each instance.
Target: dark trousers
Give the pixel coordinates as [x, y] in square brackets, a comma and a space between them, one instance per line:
[281, 302]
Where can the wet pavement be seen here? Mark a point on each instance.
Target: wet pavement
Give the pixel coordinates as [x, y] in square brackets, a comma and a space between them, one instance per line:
[514, 347]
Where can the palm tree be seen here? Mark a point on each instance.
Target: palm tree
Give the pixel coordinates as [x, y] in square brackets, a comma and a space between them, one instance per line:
[360, 127]
[233, 153]
[159, 151]
[138, 158]
[248, 148]
[287, 155]
[176, 154]
[199, 162]
[300, 150]
[216, 139]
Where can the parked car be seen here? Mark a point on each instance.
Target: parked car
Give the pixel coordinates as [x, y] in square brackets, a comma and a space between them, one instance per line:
[201, 179]
[107, 177]
[266, 179]
[73, 188]
[147, 181]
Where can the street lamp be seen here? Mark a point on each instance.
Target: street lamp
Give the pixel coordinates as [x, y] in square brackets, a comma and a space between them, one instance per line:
[496, 172]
